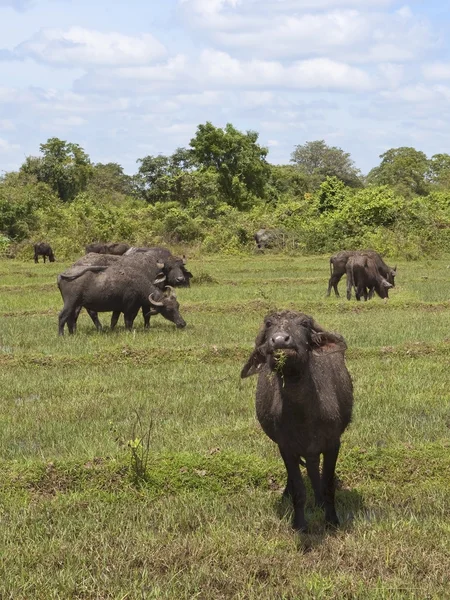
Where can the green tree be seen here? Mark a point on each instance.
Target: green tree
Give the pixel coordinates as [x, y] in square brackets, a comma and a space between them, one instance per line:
[439, 170]
[238, 159]
[109, 177]
[64, 166]
[402, 168]
[319, 161]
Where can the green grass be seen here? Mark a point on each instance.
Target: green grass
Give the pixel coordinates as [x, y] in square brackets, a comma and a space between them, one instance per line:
[208, 520]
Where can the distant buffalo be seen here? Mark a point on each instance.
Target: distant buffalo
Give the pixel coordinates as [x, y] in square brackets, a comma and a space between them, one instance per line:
[269, 238]
[363, 275]
[43, 249]
[109, 248]
[338, 264]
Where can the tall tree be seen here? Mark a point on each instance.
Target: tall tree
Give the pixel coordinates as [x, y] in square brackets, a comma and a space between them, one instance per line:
[319, 161]
[404, 168]
[109, 177]
[439, 170]
[238, 159]
[64, 166]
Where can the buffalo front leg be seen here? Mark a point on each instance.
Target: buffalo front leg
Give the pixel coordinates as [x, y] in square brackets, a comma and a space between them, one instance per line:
[129, 318]
[328, 485]
[297, 489]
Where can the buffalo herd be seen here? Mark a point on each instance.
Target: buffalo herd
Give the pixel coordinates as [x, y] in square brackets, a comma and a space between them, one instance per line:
[304, 393]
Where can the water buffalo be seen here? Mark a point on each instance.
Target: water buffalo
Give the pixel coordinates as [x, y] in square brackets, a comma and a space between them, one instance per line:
[269, 238]
[109, 248]
[364, 276]
[304, 400]
[43, 249]
[338, 264]
[156, 271]
[165, 255]
[113, 289]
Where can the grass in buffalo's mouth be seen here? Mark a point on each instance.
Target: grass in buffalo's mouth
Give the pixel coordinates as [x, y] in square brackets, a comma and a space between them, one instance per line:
[207, 520]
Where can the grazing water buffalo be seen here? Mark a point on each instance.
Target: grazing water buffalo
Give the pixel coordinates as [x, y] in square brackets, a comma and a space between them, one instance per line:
[109, 248]
[338, 264]
[364, 276]
[304, 400]
[43, 249]
[157, 272]
[113, 289]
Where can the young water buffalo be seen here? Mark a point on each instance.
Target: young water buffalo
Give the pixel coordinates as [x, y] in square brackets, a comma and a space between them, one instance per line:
[43, 249]
[363, 275]
[338, 265]
[304, 400]
[113, 289]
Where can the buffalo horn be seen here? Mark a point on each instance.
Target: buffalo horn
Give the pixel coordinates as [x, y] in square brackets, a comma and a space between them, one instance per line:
[170, 291]
[155, 302]
[160, 265]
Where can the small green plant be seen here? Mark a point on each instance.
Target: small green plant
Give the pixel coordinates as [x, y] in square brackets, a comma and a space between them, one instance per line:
[139, 448]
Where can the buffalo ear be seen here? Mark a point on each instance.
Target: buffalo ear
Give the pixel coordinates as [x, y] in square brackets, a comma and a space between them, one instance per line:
[253, 365]
[324, 342]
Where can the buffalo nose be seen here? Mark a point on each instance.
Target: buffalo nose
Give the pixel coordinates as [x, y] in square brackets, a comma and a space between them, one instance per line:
[281, 340]
[180, 279]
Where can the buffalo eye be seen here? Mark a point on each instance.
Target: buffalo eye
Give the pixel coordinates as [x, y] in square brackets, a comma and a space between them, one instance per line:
[268, 324]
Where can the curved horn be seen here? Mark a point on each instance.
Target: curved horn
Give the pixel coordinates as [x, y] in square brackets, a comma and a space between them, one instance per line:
[160, 265]
[171, 293]
[155, 302]
[159, 278]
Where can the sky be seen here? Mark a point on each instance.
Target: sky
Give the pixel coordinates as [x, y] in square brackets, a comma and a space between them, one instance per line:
[129, 79]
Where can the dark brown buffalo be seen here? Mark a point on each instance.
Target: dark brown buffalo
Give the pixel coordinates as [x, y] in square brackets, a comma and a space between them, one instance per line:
[113, 289]
[364, 276]
[45, 250]
[338, 264]
[116, 248]
[304, 400]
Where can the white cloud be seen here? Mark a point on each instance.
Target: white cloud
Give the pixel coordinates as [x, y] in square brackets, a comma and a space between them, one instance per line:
[6, 146]
[84, 47]
[437, 71]
[350, 31]
[6, 125]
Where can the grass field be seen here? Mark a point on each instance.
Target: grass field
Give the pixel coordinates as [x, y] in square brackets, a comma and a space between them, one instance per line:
[208, 522]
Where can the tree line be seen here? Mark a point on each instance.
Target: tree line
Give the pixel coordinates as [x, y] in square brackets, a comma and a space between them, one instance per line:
[216, 191]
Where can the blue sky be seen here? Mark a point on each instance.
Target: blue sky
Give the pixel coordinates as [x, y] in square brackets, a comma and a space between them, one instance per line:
[128, 79]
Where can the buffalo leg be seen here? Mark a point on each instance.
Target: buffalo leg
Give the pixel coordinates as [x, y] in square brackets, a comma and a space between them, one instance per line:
[146, 313]
[312, 467]
[67, 315]
[129, 319]
[333, 283]
[95, 319]
[298, 490]
[349, 288]
[329, 466]
[36, 257]
[45, 258]
[114, 318]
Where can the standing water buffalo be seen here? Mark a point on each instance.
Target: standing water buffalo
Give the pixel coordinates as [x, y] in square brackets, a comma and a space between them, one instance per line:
[304, 400]
[43, 249]
[338, 264]
[113, 289]
[110, 248]
[364, 276]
